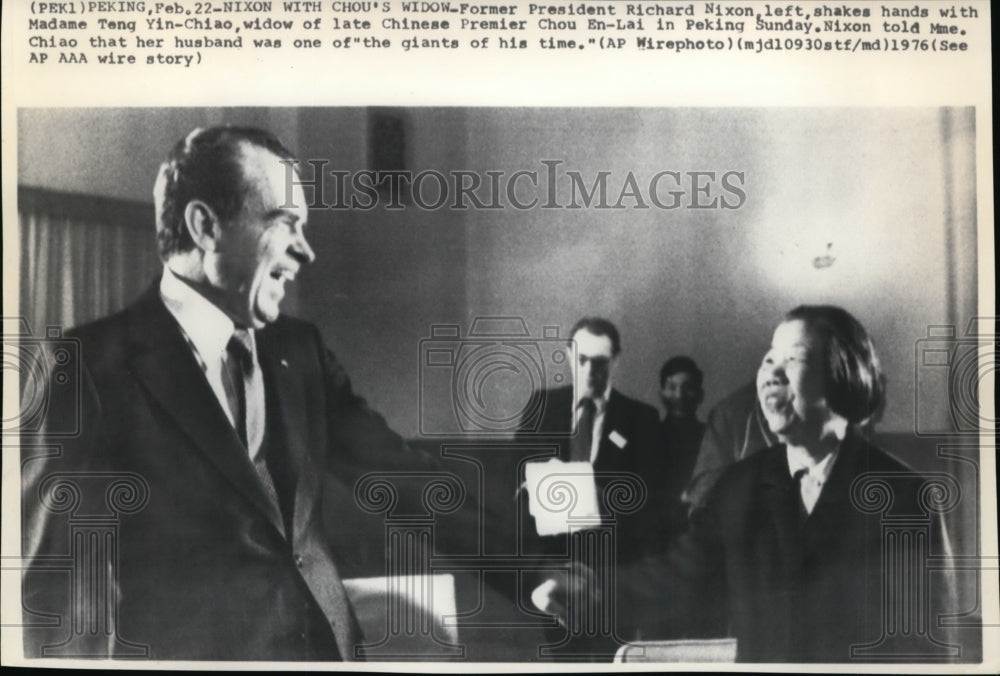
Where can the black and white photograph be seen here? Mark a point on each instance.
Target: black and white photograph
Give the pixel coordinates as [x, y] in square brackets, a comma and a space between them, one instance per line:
[554, 385]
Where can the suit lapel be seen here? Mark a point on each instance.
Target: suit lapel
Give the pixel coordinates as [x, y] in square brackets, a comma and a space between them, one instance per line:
[163, 362]
[781, 507]
[288, 411]
[833, 506]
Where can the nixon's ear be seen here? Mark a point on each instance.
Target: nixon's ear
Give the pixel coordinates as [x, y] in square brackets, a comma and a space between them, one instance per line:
[202, 224]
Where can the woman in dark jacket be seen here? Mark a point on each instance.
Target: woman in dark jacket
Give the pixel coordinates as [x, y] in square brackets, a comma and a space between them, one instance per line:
[817, 548]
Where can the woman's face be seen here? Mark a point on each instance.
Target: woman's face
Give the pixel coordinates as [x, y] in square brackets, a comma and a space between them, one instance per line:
[790, 384]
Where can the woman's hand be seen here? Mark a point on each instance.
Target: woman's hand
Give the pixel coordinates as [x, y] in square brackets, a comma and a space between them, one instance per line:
[578, 584]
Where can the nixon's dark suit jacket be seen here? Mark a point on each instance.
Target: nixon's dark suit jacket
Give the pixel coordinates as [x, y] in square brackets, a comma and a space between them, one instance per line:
[207, 568]
[641, 454]
[795, 588]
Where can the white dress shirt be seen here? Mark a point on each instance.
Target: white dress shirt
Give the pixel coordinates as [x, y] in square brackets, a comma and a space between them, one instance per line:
[816, 473]
[206, 328]
[600, 406]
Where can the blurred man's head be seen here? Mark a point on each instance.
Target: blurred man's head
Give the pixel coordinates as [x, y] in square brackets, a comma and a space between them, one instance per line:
[681, 387]
[230, 223]
[597, 346]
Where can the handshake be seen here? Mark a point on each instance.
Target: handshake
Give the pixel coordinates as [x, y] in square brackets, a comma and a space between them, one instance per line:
[572, 595]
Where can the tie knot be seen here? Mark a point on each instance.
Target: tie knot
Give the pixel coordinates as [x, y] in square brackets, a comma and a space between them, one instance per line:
[799, 474]
[586, 404]
[242, 346]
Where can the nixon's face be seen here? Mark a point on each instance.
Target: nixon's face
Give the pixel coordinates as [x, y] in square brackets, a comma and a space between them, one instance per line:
[264, 246]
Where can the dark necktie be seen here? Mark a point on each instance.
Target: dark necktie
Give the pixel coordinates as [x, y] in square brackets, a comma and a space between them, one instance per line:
[583, 439]
[246, 400]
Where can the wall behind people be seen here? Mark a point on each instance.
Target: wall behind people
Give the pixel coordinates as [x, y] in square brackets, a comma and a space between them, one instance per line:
[887, 190]
[862, 208]
[112, 154]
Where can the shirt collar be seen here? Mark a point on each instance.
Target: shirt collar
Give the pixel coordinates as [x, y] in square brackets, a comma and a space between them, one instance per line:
[207, 327]
[799, 459]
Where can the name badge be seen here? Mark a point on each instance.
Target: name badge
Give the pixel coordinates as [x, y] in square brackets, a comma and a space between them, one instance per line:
[617, 439]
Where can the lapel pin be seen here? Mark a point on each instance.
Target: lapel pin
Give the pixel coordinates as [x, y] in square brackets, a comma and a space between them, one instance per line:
[618, 439]
[284, 363]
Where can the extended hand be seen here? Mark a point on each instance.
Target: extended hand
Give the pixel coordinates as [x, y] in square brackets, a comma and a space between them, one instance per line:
[553, 596]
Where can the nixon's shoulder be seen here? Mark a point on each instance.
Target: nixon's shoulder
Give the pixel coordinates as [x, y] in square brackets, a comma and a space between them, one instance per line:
[298, 340]
[100, 329]
[285, 323]
[288, 325]
[107, 336]
[291, 330]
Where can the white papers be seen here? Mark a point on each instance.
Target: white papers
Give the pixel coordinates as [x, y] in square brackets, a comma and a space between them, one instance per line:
[407, 602]
[562, 496]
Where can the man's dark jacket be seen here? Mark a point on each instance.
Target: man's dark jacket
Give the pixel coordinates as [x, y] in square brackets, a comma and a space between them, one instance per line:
[206, 567]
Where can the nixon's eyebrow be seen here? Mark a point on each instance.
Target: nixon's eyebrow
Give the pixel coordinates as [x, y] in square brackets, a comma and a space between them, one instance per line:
[282, 213]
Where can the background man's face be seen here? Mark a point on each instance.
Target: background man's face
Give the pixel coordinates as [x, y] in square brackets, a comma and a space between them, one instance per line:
[594, 363]
[681, 395]
[264, 245]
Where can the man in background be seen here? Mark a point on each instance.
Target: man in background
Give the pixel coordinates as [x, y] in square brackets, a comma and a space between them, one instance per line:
[681, 393]
[735, 429]
[591, 421]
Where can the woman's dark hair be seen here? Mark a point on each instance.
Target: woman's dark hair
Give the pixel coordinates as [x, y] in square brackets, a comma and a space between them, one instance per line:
[855, 383]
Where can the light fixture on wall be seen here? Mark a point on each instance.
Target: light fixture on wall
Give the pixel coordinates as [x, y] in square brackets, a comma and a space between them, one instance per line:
[826, 260]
